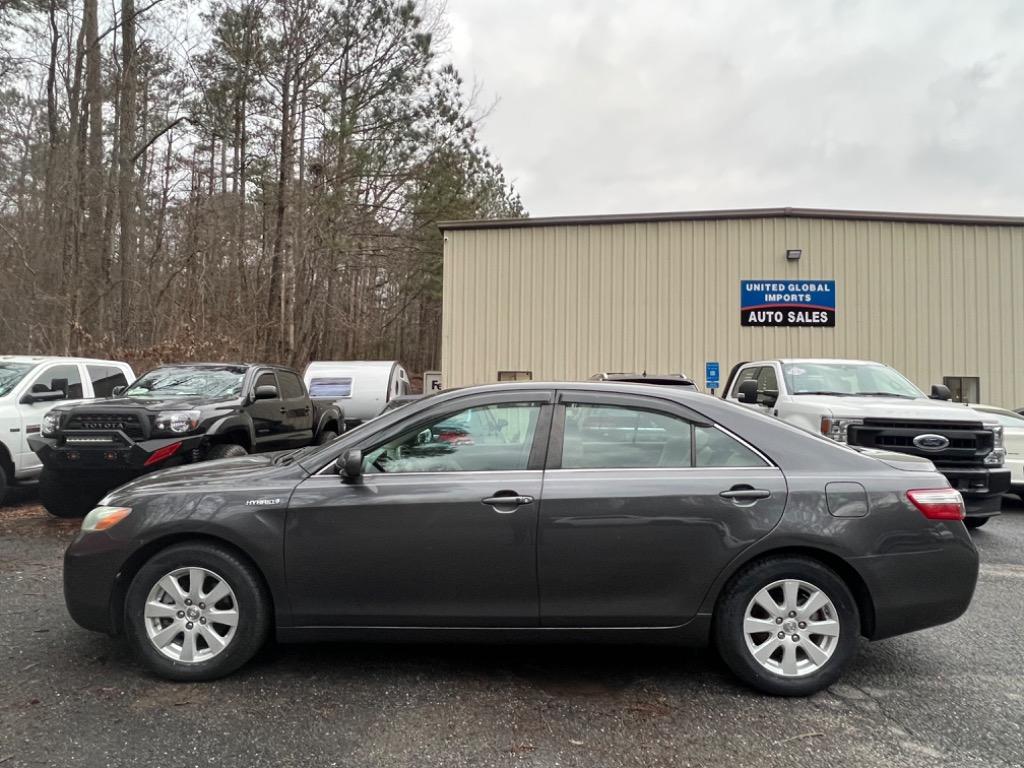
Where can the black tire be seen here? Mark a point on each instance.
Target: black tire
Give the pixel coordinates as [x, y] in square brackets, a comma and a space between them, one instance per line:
[326, 436]
[3, 484]
[975, 522]
[225, 451]
[68, 495]
[253, 608]
[731, 612]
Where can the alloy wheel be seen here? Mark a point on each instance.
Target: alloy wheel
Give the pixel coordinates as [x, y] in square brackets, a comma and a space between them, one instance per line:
[191, 615]
[791, 628]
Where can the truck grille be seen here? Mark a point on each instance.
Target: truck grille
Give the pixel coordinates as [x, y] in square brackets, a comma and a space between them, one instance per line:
[128, 423]
[969, 443]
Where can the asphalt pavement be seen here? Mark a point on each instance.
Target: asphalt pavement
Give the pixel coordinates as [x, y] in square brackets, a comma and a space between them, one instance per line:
[949, 696]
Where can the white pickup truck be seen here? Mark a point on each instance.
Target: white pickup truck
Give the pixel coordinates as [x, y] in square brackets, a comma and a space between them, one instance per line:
[867, 404]
[31, 386]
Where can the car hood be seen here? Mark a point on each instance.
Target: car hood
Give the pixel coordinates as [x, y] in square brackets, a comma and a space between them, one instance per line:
[890, 408]
[201, 476]
[154, 405]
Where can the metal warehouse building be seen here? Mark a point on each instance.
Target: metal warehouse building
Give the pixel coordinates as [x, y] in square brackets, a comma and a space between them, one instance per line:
[940, 298]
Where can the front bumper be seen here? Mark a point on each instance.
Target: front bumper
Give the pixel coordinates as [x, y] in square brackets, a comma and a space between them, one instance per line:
[120, 454]
[92, 564]
[917, 590]
[981, 488]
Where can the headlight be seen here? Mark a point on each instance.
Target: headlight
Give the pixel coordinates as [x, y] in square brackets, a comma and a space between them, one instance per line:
[998, 454]
[51, 423]
[102, 518]
[177, 422]
[838, 429]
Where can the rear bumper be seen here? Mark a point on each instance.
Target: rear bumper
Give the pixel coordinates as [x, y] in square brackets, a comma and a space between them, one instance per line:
[981, 488]
[917, 590]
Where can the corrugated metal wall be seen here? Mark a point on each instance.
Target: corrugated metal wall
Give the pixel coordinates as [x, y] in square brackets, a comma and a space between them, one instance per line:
[567, 301]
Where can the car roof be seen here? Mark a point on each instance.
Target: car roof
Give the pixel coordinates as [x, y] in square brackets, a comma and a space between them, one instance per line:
[604, 387]
[39, 359]
[825, 360]
[350, 364]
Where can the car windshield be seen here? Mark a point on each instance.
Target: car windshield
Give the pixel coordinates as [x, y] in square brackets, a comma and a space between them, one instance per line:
[11, 374]
[189, 382]
[865, 380]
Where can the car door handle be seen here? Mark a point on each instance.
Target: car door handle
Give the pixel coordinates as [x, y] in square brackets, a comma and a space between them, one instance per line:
[506, 501]
[740, 493]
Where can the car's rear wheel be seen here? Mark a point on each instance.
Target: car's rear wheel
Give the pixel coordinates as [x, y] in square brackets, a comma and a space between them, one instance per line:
[225, 451]
[787, 626]
[975, 522]
[196, 611]
[68, 495]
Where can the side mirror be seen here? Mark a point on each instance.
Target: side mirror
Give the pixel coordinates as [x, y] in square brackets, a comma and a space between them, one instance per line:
[941, 392]
[47, 396]
[350, 466]
[118, 391]
[265, 392]
[768, 397]
[748, 392]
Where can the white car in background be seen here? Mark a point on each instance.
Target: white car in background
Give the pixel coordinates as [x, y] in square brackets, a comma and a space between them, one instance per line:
[31, 386]
[1013, 440]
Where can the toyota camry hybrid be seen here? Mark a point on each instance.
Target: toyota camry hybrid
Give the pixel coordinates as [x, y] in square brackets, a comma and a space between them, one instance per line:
[534, 512]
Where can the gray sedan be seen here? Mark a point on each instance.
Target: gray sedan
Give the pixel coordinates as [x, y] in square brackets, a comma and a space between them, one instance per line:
[534, 512]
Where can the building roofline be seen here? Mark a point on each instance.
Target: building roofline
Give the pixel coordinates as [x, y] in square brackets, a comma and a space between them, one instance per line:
[738, 213]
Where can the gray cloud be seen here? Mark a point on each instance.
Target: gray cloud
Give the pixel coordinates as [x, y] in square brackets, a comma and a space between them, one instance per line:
[609, 106]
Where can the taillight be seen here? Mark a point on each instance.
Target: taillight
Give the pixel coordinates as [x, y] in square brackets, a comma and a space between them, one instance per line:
[938, 503]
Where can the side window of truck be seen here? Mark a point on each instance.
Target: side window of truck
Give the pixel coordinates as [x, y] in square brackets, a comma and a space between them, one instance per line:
[745, 375]
[291, 387]
[767, 380]
[61, 378]
[268, 379]
[104, 378]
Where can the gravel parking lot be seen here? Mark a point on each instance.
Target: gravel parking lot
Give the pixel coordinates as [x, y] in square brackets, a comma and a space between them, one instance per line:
[953, 695]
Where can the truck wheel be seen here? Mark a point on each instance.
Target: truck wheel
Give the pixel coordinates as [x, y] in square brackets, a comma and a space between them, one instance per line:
[67, 496]
[225, 451]
[326, 436]
[787, 626]
[3, 484]
[975, 522]
[196, 611]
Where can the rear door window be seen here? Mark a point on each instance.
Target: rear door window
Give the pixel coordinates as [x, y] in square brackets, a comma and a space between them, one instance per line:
[331, 386]
[105, 378]
[714, 448]
[618, 437]
[291, 386]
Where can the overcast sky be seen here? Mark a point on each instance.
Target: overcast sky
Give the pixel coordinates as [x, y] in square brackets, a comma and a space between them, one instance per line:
[648, 105]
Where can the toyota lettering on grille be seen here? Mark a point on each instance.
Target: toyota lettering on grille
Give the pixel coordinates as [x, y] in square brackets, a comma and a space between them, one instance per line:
[931, 442]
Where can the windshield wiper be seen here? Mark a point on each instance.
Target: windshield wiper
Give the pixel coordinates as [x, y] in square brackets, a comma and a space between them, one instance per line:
[822, 392]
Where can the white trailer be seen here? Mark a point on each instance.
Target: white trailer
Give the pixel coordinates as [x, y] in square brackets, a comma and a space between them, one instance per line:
[361, 387]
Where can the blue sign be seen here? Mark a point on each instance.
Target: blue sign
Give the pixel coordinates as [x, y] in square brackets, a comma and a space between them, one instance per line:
[711, 374]
[810, 303]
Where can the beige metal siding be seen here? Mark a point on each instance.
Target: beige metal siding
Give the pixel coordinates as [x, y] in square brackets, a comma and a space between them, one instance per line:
[567, 301]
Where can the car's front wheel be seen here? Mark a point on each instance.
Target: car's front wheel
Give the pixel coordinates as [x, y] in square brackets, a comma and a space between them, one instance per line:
[787, 626]
[196, 611]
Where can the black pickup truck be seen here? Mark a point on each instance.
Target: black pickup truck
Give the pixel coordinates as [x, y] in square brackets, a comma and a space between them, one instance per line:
[176, 414]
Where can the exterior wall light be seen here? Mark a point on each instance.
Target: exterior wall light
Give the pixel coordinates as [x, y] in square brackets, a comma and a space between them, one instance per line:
[794, 254]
